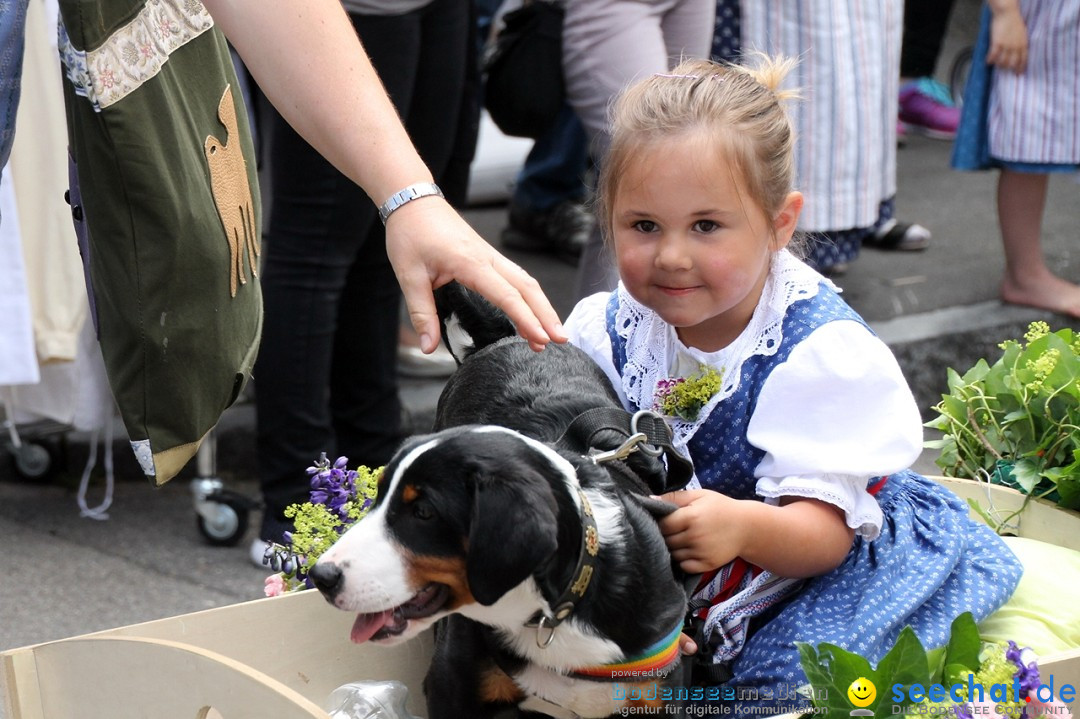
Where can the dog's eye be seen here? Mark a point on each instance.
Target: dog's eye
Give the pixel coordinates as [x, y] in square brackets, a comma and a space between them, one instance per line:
[422, 511]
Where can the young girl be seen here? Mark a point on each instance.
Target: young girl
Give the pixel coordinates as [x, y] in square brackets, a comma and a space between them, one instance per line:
[803, 516]
[1022, 114]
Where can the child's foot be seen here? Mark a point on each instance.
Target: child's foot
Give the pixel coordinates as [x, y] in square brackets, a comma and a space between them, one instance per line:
[1047, 293]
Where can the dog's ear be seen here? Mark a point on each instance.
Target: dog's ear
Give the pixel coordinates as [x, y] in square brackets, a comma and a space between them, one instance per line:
[513, 531]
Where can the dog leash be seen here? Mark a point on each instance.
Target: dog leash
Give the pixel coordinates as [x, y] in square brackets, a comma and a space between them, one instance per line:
[645, 431]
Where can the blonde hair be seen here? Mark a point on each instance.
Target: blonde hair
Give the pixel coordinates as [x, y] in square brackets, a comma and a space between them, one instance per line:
[738, 106]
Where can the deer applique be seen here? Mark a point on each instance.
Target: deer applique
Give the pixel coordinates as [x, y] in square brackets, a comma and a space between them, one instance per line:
[232, 194]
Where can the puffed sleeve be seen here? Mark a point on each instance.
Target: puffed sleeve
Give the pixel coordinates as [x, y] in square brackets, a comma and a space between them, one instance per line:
[837, 413]
[587, 328]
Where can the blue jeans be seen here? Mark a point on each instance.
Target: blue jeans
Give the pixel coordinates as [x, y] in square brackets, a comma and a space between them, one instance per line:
[12, 41]
[554, 168]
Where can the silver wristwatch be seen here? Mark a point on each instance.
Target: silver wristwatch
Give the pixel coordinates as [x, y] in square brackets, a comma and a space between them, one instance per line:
[410, 193]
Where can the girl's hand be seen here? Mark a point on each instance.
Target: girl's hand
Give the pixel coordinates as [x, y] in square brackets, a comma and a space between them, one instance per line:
[705, 531]
[797, 538]
[1008, 37]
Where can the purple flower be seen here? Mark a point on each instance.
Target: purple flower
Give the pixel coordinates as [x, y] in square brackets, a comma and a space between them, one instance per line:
[333, 487]
[1026, 674]
[963, 711]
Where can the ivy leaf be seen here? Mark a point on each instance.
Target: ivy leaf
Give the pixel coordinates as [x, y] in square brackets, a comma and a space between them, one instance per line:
[1069, 490]
[830, 685]
[962, 651]
[905, 664]
[1026, 474]
[832, 670]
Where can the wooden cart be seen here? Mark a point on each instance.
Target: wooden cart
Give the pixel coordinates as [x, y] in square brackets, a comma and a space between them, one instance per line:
[280, 658]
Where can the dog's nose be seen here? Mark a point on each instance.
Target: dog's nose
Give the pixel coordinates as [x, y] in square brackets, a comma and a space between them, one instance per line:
[327, 578]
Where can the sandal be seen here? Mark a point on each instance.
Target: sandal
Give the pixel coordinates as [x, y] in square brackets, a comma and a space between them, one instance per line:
[903, 236]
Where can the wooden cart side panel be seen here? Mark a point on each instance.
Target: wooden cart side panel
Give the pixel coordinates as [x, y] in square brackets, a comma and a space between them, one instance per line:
[1064, 667]
[1042, 520]
[19, 685]
[297, 639]
[111, 677]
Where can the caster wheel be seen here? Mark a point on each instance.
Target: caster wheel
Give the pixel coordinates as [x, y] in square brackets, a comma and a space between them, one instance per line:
[958, 74]
[228, 523]
[32, 461]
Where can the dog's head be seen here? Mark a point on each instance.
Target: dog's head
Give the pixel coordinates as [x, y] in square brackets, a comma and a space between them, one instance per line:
[462, 517]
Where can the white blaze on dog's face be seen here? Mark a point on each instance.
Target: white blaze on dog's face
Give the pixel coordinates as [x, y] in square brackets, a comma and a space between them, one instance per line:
[462, 517]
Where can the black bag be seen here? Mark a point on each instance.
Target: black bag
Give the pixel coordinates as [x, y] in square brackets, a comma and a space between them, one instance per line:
[523, 84]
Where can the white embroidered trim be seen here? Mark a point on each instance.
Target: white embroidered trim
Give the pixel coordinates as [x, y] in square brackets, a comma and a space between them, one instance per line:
[651, 344]
[145, 456]
[133, 54]
[861, 510]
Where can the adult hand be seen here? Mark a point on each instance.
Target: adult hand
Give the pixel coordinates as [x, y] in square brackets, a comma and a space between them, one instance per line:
[429, 244]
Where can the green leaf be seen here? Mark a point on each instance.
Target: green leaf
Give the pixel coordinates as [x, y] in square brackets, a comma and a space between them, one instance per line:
[962, 651]
[983, 514]
[832, 670]
[906, 663]
[1069, 491]
[1026, 474]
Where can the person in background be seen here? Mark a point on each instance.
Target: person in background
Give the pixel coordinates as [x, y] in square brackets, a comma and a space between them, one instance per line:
[814, 529]
[846, 162]
[1021, 115]
[607, 44]
[548, 211]
[12, 42]
[926, 107]
[326, 376]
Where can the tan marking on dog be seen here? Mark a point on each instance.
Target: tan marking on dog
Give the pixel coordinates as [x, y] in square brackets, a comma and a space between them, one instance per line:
[409, 493]
[497, 686]
[443, 570]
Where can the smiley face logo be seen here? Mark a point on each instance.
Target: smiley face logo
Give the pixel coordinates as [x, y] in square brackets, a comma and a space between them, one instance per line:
[862, 692]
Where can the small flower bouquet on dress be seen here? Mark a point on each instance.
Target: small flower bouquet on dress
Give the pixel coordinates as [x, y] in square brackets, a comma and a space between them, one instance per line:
[339, 497]
[684, 397]
[1017, 422]
[968, 679]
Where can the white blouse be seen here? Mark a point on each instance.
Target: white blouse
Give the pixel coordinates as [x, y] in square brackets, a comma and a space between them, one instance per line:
[837, 413]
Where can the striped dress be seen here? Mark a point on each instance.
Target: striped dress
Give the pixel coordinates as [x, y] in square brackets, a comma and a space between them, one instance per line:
[848, 76]
[1028, 121]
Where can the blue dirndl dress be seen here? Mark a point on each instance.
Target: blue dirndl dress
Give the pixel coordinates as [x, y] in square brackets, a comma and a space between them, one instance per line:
[930, 563]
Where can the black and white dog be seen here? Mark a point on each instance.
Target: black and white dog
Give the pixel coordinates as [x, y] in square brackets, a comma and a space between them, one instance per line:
[543, 554]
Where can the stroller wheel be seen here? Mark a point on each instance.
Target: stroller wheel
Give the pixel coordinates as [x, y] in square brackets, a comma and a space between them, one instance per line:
[32, 461]
[225, 523]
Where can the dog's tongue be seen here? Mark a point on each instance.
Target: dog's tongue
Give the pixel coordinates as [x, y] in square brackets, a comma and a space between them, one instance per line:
[367, 624]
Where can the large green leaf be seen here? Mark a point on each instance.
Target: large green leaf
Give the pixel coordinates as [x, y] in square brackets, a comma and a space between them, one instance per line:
[832, 670]
[1025, 473]
[962, 651]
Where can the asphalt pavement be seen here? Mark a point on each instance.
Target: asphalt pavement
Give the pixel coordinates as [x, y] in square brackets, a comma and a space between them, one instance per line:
[62, 575]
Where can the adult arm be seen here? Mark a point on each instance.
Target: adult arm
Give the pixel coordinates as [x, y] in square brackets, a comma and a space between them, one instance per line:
[308, 61]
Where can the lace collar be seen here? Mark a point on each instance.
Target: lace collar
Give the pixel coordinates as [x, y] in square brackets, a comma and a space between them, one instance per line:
[654, 352]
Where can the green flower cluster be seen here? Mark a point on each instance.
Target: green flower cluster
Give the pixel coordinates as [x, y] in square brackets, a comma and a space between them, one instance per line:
[685, 397]
[1017, 421]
